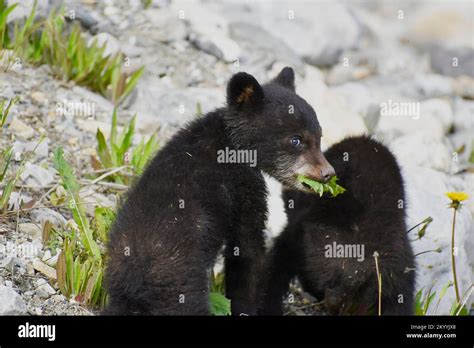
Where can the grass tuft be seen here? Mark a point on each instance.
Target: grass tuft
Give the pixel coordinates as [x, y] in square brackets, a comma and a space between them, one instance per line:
[68, 54]
[117, 156]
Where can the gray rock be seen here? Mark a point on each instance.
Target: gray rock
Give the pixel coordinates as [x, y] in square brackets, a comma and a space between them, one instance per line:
[262, 49]
[23, 9]
[41, 151]
[30, 229]
[41, 215]
[111, 42]
[29, 250]
[10, 302]
[39, 176]
[362, 101]
[12, 264]
[340, 74]
[43, 289]
[463, 114]
[452, 62]
[79, 94]
[463, 143]
[210, 35]
[86, 18]
[17, 199]
[433, 86]
[433, 117]
[58, 298]
[172, 105]
[309, 28]
[22, 130]
[335, 113]
[464, 87]
[445, 31]
[167, 27]
[418, 149]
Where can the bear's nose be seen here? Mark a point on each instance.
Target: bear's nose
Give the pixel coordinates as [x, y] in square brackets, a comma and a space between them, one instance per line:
[327, 172]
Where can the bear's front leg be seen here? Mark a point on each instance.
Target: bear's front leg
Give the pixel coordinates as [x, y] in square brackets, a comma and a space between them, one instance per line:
[244, 256]
[280, 268]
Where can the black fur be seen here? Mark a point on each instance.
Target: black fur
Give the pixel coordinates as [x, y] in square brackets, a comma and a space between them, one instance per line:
[170, 247]
[367, 213]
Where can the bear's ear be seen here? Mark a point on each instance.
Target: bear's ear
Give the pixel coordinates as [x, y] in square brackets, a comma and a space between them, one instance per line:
[286, 78]
[244, 90]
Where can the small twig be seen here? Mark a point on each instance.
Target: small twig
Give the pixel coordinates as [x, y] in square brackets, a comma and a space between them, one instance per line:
[107, 184]
[379, 281]
[428, 251]
[33, 187]
[45, 195]
[103, 176]
[103, 170]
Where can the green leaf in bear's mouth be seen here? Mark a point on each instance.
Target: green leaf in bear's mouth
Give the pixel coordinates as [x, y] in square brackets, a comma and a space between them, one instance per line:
[331, 186]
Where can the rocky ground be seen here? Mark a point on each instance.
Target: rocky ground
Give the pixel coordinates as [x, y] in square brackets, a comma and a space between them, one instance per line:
[353, 60]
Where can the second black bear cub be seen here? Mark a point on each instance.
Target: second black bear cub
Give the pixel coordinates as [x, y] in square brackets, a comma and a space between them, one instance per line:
[205, 189]
[329, 243]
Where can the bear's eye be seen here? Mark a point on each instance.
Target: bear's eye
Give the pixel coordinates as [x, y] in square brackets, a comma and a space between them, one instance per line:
[295, 140]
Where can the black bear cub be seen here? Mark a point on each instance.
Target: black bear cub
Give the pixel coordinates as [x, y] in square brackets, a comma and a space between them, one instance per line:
[205, 189]
[329, 243]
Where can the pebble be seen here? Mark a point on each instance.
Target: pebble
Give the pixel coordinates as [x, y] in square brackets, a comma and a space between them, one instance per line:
[39, 98]
[31, 229]
[48, 271]
[44, 290]
[22, 130]
[11, 302]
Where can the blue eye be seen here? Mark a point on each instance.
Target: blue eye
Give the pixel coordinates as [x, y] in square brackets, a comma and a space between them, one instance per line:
[295, 141]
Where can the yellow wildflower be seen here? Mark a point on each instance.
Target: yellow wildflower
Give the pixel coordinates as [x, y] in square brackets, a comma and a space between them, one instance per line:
[456, 198]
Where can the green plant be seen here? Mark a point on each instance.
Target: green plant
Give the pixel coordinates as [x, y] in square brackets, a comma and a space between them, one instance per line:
[220, 305]
[4, 12]
[71, 58]
[118, 155]
[5, 110]
[5, 160]
[423, 302]
[147, 3]
[80, 264]
[471, 156]
[424, 225]
[103, 219]
[459, 307]
[331, 186]
[456, 199]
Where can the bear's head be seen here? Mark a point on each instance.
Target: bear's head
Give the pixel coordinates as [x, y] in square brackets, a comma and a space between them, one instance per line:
[280, 125]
